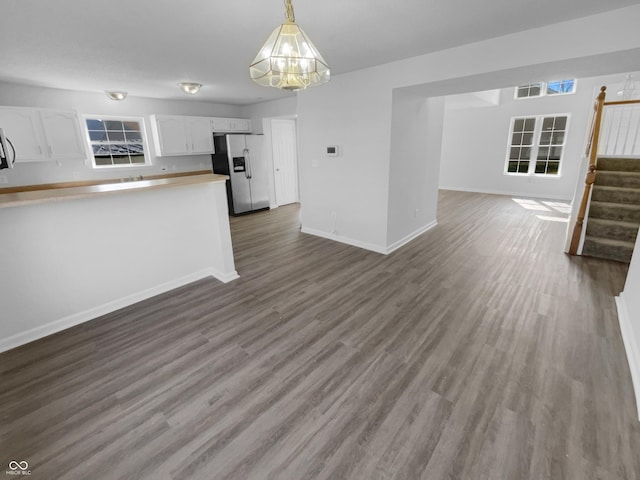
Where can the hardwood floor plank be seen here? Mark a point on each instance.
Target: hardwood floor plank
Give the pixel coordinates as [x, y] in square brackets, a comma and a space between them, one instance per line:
[477, 351]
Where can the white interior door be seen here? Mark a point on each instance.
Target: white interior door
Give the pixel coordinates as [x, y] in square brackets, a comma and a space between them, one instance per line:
[285, 160]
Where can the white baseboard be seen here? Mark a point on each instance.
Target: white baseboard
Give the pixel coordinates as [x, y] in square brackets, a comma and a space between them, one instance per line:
[347, 240]
[631, 346]
[403, 241]
[369, 246]
[224, 277]
[95, 312]
[545, 196]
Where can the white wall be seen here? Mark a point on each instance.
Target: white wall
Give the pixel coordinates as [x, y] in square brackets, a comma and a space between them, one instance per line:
[416, 137]
[346, 197]
[99, 104]
[354, 111]
[629, 315]
[475, 140]
[257, 112]
[69, 261]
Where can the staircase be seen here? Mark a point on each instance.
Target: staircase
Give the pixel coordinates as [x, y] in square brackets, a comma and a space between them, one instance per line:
[614, 213]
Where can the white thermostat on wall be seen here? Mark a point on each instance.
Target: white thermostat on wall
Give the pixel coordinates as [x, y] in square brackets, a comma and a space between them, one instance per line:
[332, 151]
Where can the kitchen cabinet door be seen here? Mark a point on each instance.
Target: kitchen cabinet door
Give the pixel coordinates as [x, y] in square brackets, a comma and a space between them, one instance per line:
[62, 135]
[201, 135]
[231, 125]
[171, 134]
[22, 126]
[241, 125]
[220, 124]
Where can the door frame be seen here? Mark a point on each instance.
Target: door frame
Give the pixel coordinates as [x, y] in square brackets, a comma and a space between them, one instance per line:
[268, 133]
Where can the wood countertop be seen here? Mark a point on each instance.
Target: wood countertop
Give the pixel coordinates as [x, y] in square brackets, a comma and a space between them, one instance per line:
[31, 197]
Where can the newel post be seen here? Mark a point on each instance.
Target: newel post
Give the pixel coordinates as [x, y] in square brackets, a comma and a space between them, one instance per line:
[591, 174]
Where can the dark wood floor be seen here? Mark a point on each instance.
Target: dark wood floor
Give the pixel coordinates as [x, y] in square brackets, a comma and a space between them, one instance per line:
[478, 351]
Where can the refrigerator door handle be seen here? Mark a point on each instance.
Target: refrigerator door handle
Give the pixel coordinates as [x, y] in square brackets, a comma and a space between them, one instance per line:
[247, 157]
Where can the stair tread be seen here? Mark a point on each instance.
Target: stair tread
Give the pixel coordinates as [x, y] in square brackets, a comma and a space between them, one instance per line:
[628, 206]
[616, 188]
[609, 241]
[619, 164]
[606, 221]
[630, 173]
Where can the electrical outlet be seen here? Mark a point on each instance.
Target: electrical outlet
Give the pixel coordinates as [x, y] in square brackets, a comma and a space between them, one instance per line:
[314, 163]
[415, 213]
[3, 179]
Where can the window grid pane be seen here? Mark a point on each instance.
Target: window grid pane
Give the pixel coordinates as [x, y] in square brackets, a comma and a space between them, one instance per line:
[551, 144]
[554, 87]
[547, 147]
[531, 90]
[520, 148]
[116, 142]
[559, 87]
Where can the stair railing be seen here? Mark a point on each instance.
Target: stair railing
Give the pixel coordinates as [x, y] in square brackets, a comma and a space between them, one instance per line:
[620, 135]
[592, 153]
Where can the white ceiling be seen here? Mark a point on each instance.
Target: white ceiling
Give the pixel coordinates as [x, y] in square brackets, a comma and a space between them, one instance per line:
[146, 46]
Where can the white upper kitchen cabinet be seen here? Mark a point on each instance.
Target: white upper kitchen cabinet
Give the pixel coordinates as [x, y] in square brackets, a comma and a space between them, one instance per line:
[181, 135]
[40, 135]
[228, 125]
[201, 135]
[170, 135]
[62, 135]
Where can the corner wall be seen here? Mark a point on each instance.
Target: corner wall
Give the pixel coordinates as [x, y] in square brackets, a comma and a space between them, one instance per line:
[416, 138]
[629, 315]
[345, 198]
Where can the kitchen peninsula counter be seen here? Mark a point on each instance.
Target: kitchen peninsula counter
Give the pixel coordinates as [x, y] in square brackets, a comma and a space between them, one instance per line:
[74, 253]
[32, 195]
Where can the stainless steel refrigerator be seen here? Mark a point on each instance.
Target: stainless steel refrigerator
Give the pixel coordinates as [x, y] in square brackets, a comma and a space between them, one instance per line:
[242, 158]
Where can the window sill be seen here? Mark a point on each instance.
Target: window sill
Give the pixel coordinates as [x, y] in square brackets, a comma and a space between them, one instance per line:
[531, 175]
[118, 167]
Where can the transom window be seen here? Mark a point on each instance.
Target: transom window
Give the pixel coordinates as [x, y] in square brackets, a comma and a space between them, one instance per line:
[117, 142]
[560, 87]
[531, 90]
[536, 145]
[554, 87]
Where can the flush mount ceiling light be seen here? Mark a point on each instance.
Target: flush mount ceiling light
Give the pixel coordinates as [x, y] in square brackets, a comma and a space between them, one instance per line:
[288, 60]
[116, 95]
[190, 87]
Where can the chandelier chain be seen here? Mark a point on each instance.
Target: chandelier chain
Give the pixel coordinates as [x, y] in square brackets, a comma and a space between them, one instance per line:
[289, 11]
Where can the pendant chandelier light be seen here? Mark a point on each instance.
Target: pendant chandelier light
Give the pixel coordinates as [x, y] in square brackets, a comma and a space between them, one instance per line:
[628, 91]
[288, 60]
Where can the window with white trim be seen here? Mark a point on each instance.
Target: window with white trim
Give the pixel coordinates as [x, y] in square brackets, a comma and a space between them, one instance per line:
[554, 87]
[117, 141]
[531, 90]
[536, 144]
[561, 87]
